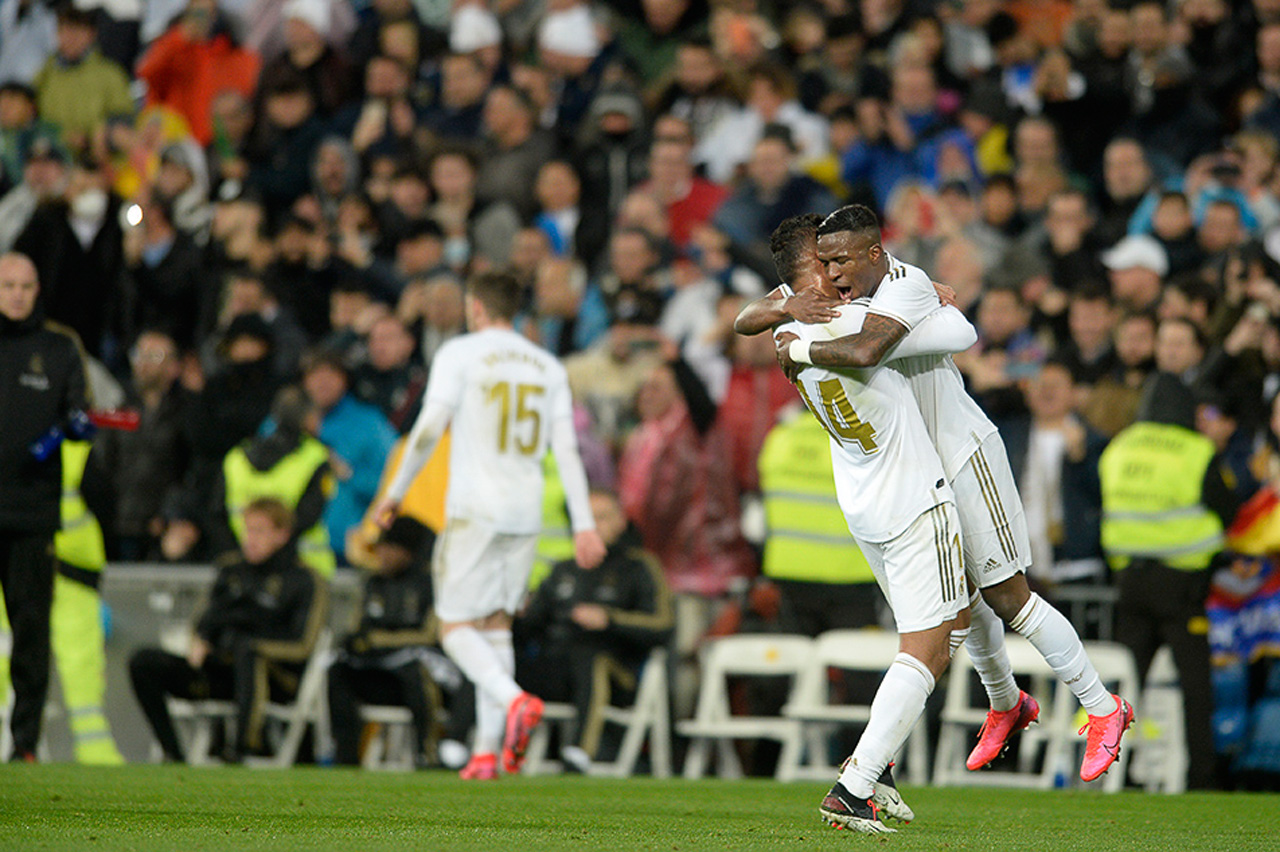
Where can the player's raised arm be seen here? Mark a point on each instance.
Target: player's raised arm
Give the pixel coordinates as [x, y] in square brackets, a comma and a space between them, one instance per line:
[781, 305]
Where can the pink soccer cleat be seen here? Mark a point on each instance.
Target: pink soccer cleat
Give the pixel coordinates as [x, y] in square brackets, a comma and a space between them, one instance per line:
[481, 767]
[523, 716]
[1103, 746]
[993, 739]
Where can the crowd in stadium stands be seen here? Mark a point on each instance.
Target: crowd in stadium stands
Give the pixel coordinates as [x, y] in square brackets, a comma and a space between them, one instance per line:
[228, 197]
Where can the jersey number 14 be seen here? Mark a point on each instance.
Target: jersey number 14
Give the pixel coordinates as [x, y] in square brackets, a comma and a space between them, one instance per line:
[840, 420]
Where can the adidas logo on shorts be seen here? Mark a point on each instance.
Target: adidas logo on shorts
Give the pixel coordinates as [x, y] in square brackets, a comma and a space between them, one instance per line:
[990, 566]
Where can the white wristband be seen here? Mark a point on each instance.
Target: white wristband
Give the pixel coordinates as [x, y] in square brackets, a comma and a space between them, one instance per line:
[799, 351]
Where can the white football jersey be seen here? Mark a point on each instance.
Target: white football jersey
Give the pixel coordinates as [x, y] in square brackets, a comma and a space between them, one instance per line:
[887, 472]
[956, 424]
[506, 396]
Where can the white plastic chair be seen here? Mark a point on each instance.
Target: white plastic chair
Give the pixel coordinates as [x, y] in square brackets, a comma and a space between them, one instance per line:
[733, 656]
[810, 704]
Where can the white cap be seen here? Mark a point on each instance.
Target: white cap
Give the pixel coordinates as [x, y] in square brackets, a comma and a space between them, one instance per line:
[1137, 252]
[571, 32]
[473, 27]
[314, 13]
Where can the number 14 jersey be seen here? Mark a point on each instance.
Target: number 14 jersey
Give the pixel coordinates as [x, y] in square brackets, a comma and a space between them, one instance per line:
[507, 396]
[887, 472]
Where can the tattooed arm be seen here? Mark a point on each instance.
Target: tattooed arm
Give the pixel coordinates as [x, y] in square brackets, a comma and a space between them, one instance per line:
[781, 305]
[865, 349]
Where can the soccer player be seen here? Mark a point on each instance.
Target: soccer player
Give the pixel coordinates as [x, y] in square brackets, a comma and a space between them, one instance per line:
[997, 552]
[507, 400]
[900, 509]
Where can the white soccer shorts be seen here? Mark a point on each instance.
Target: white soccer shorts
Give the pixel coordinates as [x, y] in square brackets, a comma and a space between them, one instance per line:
[478, 571]
[996, 544]
[921, 572]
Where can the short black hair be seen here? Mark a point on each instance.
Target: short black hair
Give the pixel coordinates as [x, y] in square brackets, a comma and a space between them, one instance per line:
[788, 242]
[1202, 339]
[499, 292]
[1092, 290]
[858, 218]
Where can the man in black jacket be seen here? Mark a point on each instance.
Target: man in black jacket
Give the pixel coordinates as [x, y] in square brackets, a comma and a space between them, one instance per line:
[382, 660]
[590, 630]
[42, 389]
[265, 612]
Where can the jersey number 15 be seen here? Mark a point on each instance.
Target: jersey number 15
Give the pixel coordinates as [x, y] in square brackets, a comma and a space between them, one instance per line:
[526, 418]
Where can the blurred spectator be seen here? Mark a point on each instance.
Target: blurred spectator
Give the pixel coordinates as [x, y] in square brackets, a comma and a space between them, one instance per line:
[574, 227]
[76, 243]
[381, 661]
[244, 293]
[78, 88]
[690, 200]
[472, 230]
[382, 15]
[164, 283]
[755, 397]
[457, 114]
[557, 293]
[264, 25]
[145, 465]
[698, 90]
[1137, 267]
[197, 58]
[593, 629]
[1066, 241]
[574, 60]
[182, 185]
[611, 150]
[772, 191]
[1180, 350]
[1091, 321]
[631, 292]
[232, 118]
[513, 151]
[1172, 225]
[672, 487]
[1220, 229]
[335, 174]
[264, 615]
[835, 75]
[1218, 419]
[282, 142]
[286, 464]
[43, 180]
[1113, 403]
[384, 121]
[307, 53]
[28, 37]
[295, 279]
[391, 379]
[651, 31]
[434, 306]
[1007, 351]
[358, 437]
[771, 99]
[1055, 459]
[1127, 180]
[20, 126]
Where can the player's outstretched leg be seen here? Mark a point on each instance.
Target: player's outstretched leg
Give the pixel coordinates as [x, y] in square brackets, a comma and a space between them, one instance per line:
[1011, 708]
[1103, 745]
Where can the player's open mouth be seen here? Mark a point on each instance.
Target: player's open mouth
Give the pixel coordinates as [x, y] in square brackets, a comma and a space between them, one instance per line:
[846, 293]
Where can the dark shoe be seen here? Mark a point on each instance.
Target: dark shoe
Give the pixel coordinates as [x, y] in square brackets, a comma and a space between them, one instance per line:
[842, 809]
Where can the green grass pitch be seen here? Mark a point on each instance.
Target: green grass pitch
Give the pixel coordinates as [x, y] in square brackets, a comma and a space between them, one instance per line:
[179, 809]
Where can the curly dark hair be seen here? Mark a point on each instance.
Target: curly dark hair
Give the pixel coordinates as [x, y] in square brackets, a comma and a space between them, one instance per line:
[857, 218]
[790, 240]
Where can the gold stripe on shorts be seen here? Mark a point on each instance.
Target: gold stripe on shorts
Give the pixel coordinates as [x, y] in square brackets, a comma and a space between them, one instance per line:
[987, 485]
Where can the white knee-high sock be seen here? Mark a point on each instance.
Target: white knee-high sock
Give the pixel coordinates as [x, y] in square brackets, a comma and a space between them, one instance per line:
[898, 704]
[1056, 640]
[491, 725]
[484, 664]
[985, 645]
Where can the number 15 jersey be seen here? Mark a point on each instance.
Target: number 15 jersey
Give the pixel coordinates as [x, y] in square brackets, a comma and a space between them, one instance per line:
[886, 470]
[507, 397]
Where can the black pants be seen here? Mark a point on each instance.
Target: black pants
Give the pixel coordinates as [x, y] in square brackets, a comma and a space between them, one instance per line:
[156, 674]
[350, 686]
[812, 608]
[1158, 606]
[588, 678]
[26, 575]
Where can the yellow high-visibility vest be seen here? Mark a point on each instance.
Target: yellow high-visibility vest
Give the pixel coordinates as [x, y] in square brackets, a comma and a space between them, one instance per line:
[1152, 481]
[808, 538]
[287, 482]
[78, 541]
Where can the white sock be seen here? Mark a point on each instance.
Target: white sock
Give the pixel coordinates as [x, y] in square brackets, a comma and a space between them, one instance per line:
[985, 645]
[1056, 640]
[484, 664]
[491, 725]
[898, 704]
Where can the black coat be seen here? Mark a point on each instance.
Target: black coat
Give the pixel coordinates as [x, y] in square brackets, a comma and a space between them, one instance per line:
[42, 381]
[271, 601]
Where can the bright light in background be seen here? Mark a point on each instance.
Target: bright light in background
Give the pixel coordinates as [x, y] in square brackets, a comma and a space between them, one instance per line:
[133, 216]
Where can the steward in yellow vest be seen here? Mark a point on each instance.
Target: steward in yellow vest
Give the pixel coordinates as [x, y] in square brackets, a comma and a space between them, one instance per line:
[824, 579]
[290, 466]
[76, 632]
[1164, 506]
